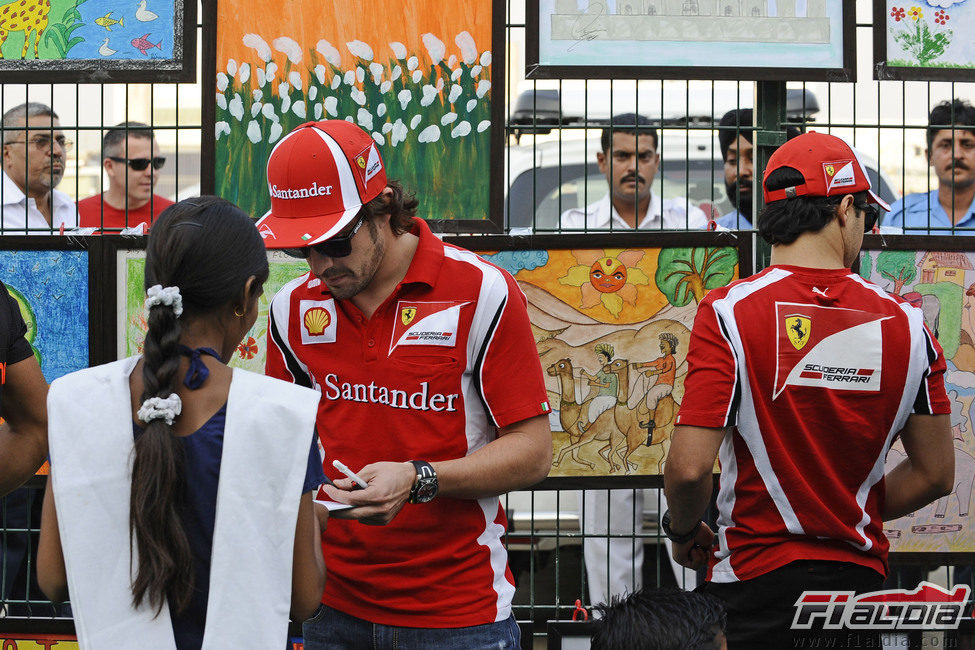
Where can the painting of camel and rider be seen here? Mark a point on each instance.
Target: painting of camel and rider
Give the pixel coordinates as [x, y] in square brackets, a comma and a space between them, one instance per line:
[123, 40]
[612, 325]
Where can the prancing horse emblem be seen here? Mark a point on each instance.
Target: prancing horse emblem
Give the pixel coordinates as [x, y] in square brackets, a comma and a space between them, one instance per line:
[797, 327]
[407, 315]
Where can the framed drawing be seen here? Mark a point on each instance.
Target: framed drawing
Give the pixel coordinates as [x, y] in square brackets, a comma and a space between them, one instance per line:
[49, 278]
[937, 274]
[72, 41]
[697, 39]
[419, 75]
[925, 40]
[607, 311]
[130, 326]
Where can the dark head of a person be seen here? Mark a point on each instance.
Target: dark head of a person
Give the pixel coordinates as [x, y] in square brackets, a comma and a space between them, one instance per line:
[948, 114]
[737, 152]
[665, 619]
[629, 123]
[208, 249]
[806, 180]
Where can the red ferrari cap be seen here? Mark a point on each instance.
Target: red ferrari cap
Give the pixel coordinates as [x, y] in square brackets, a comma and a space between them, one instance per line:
[829, 165]
[319, 176]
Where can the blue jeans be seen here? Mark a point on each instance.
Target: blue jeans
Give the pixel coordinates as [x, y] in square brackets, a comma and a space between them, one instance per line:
[330, 629]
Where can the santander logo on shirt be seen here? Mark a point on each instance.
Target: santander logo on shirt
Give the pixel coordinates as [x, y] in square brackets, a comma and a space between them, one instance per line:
[827, 347]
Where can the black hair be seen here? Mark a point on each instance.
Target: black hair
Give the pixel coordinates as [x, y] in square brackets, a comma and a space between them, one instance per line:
[737, 122]
[947, 114]
[627, 123]
[208, 248]
[664, 619]
[782, 221]
[114, 140]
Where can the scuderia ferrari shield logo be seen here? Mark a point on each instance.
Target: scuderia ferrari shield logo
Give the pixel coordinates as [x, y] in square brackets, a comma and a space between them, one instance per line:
[797, 328]
[427, 323]
[407, 314]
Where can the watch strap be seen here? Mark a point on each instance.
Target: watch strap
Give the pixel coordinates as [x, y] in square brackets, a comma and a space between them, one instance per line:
[425, 474]
[675, 537]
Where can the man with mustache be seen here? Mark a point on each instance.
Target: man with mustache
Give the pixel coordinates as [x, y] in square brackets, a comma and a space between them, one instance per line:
[950, 209]
[34, 152]
[735, 140]
[630, 160]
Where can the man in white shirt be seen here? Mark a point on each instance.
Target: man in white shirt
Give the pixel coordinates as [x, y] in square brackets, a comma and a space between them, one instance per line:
[630, 160]
[34, 152]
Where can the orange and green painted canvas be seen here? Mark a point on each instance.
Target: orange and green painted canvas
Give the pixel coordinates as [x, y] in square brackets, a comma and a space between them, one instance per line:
[611, 326]
[415, 74]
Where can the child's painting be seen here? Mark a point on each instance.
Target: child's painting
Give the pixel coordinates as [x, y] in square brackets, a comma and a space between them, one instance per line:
[924, 39]
[51, 288]
[612, 325]
[251, 352]
[103, 40]
[942, 285]
[415, 74]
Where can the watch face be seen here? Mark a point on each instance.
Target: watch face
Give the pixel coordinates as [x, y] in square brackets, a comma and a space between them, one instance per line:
[426, 490]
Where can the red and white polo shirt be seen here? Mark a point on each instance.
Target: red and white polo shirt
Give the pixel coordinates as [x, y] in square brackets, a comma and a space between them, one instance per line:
[442, 363]
[818, 370]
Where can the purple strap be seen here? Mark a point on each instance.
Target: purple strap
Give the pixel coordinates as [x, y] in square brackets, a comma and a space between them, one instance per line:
[198, 372]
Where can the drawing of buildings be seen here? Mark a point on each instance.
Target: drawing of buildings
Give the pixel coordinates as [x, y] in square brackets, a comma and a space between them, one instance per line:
[746, 21]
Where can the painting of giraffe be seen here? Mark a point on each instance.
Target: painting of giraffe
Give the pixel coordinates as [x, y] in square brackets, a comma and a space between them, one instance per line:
[28, 16]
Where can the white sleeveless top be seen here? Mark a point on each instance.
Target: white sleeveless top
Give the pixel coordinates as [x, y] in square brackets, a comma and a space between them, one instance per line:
[262, 472]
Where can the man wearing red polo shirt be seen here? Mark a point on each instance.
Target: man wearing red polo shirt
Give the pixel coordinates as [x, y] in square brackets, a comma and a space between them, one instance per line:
[432, 393]
[800, 378]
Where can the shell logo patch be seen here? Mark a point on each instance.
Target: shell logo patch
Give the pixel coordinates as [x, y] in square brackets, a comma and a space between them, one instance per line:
[407, 314]
[797, 328]
[317, 321]
[427, 323]
[839, 174]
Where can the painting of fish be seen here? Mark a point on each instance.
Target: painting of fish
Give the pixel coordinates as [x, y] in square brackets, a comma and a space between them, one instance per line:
[142, 44]
[107, 21]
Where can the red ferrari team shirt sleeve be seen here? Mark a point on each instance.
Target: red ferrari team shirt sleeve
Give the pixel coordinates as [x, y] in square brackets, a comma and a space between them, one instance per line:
[931, 396]
[711, 390]
[510, 373]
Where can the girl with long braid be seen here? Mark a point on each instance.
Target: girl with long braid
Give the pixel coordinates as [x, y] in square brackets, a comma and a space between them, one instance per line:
[179, 510]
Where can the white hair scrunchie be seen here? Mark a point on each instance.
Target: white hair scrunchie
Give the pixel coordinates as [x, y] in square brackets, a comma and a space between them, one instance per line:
[160, 295]
[159, 408]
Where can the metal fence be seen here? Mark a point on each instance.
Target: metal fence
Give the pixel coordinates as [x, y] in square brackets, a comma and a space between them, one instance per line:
[552, 133]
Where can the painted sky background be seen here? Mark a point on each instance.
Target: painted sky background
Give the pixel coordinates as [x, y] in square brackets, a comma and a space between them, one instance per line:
[55, 283]
[691, 53]
[374, 22]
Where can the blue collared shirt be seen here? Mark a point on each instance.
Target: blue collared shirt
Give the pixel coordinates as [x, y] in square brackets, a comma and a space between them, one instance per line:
[734, 220]
[912, 212]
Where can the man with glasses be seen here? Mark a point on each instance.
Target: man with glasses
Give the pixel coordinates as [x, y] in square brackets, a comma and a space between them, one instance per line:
[802, 376]
[34, 153]
[132, 163]
[432, 393]
[951, 154]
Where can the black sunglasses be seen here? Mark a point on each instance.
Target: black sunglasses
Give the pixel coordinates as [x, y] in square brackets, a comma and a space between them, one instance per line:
[139, 164]
[334, 247]
[871, 213]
